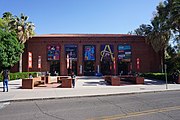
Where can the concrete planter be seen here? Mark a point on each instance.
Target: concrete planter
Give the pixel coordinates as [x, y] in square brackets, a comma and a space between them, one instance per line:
[139, 80]
[66, 83]
[27, 83]
[178, 80]
[115, 81]
[61, 77]
[48, 79]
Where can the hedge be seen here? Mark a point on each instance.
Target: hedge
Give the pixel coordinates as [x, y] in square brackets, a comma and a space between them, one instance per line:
[15, 76]
[158, 76]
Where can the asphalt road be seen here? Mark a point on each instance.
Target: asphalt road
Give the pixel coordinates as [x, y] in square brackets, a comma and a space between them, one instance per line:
[145, 106]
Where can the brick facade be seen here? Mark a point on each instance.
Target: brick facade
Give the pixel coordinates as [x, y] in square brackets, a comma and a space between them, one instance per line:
[149, 60]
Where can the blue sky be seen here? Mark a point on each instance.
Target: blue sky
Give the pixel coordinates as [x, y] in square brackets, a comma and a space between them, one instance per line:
[83, 16]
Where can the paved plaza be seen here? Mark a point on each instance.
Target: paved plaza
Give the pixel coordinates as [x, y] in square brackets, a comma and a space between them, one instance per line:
[85, 86]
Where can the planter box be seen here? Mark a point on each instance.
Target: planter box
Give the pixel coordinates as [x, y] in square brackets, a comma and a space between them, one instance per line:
[43, 79]
[48, 79]
[115, 81]
[27, 83]
[178, 80]
[61, 77]
[139, 80]
[66, 83]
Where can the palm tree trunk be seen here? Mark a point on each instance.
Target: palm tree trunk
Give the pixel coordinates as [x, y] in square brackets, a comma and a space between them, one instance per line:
[20, 63]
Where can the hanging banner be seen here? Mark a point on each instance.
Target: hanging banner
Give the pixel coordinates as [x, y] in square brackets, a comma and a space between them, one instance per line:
[107, 53]
[124, 53]
[138, 63]
[89, 52]
[114, 64]
[39, 61]
[71, 51]
[29, 59]
[68, 61]
[53, 52]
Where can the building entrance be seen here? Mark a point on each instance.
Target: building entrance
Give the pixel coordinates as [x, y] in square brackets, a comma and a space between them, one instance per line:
[72, 67]
[55, 67]
[71, 58]
[106, 67]
[123, 68]
[89, 68]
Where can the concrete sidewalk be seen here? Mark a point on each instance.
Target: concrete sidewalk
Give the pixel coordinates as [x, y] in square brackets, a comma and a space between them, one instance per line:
[85, 86]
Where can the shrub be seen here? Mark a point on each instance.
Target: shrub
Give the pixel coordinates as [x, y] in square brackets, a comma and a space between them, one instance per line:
[158, 76]
[15, 76]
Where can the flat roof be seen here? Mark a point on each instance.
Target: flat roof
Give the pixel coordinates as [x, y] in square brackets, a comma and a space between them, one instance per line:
[86, 35]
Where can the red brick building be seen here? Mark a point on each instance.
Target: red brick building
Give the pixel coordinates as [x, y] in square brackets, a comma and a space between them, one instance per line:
[86, 54]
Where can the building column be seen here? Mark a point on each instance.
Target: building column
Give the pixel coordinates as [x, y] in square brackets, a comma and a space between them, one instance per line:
[98, 52]
[116, 59]
[63, 69]
[80, 59]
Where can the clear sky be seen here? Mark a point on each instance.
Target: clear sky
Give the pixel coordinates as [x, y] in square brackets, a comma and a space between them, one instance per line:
[83, 16]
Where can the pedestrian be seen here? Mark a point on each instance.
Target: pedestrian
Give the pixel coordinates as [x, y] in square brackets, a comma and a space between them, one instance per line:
[6, 78]
[30, 75]
[73, 79]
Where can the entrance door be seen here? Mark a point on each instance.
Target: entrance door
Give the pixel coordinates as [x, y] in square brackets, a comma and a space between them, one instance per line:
[123, 68]
[72, 67]
[55, 67]
[106, 67]
[89, 68]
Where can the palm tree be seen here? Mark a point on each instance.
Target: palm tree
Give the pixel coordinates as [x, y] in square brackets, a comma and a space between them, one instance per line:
[23, 29]
[158, 37]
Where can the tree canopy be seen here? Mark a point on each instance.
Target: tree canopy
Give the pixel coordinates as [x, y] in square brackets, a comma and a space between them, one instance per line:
[14, 31]
[165, 24]
[10, 49]
[164, 27]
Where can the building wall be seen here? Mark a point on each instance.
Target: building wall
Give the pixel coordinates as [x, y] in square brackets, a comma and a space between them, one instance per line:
[149, 60]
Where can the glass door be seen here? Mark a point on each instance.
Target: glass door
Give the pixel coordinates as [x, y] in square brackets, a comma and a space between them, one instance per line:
[123, 68]
[106, 67]
[55, 68]
[89, 68]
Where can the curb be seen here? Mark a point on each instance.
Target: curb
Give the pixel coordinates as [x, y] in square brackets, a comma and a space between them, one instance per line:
[85, 96]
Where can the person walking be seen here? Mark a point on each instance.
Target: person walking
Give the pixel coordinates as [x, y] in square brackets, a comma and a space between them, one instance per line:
[73, 79]
[6, 78]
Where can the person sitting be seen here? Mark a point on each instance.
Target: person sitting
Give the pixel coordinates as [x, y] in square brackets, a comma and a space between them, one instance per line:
[30, 75]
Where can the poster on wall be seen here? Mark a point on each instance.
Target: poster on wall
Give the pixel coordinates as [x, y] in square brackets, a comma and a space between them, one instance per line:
[53, 52]
[107, 52]
[124, 53]
[89, 52]
[71, 51]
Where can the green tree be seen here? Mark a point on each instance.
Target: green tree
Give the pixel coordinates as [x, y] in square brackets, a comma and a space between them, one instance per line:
[172, 60]
[143, 30]
[10, 49]
[158, 37]
[22, 27]
[7, 18]
[1, 23]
